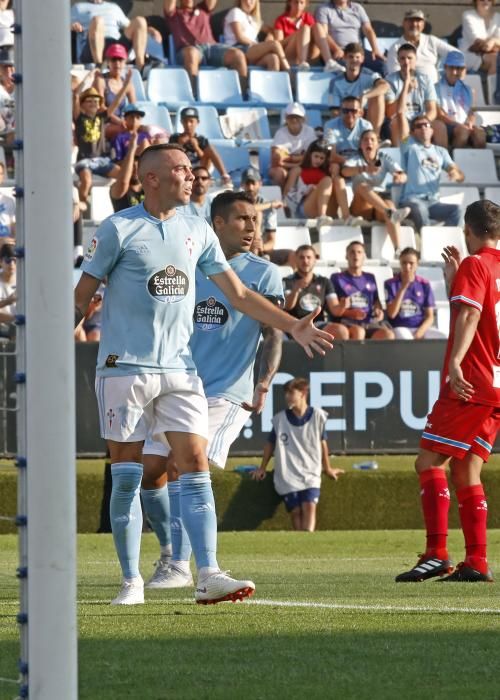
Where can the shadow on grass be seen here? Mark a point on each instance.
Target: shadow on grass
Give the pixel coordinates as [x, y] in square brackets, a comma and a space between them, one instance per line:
[251, 504]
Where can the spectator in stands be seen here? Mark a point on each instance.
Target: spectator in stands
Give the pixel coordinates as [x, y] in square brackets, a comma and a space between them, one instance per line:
[102, 23]
[360, 82]
[113, 83]
[267, 221]
[6, 23]
[298, 34]
[421, 191]
[344, 22]
[411, 93]
[93, 156]
[301, 458]
[7, 210]
[368, 171]
[7, 290]
[126, 191]
[410, 301]
[132, 115]
[309, 186]
[77, 229]
[455, 106]
[197, 147]
[343, 136]
[356, 304]
[194, 41]
[480, 40]
[7, 96]
[290, 143]
[305, 291]
[200, 200]
[242, 25]
[430, 49]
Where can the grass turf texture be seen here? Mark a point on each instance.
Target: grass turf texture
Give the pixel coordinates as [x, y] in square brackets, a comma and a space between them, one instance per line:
[361, 500]
[383, 641]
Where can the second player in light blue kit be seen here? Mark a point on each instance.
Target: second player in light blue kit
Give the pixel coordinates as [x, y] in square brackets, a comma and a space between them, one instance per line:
[224, 346]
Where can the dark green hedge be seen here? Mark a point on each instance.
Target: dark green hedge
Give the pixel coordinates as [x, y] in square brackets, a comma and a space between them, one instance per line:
[378, 500]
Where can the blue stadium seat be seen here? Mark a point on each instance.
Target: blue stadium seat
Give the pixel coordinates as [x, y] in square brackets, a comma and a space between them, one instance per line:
[270, 88]
[156, 115]
[313, 89]
[235, 159]
[219, 87]
[140, 92]
[209, 121]
[170, 87]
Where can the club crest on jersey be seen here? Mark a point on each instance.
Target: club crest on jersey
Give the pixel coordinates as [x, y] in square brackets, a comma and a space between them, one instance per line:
[111, 415]
[169, 285]
[91, 249]
[189, 245]
[210, 314]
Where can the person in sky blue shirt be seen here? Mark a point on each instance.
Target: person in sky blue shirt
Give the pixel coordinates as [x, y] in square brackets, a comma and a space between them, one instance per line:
[455, 105]
[423, 162]
[224, 346]
[343, 136]
[360, 82]
[146, 377]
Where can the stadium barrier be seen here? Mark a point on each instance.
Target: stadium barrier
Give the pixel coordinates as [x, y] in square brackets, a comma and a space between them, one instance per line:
[377, 395]
[378, 500]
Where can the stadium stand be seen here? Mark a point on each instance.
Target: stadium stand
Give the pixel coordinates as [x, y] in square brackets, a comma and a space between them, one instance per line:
[333, 240]
[381, 244]
[156, 115]
[170, 87]
[220, 88]
[209, 124]
[435, 238]
[270, 88]
[291, 237]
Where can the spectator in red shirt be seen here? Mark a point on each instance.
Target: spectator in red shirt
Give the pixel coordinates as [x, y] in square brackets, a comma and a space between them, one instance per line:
[309, 185]
[194, 41]
[296, 30]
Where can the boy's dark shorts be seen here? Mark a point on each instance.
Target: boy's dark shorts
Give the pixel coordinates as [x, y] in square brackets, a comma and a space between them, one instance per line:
[295, 499]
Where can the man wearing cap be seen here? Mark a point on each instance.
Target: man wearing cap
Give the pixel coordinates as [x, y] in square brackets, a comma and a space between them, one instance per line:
[411, 92]
[194, 41]
[425, 161]
[455, 106]
[132, 115]
[344, 22]
[290, 143]
[99, 24]
[7, 87]
[430, 49]
[197, 147]
[92, 157]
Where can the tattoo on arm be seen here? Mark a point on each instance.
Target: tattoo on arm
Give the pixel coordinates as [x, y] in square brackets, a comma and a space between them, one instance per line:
[270, 357]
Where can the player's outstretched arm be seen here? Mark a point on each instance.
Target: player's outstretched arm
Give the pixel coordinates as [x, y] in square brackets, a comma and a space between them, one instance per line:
[248, 302]
[84, 291]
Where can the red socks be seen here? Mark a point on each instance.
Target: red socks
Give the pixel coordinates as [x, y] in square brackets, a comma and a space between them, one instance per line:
[473, 511]
[435, 497]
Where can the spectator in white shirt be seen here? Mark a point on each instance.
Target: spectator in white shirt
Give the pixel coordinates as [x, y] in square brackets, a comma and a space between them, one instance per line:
[6, 22]
[290, 143]
[430, 49]
[480, 40]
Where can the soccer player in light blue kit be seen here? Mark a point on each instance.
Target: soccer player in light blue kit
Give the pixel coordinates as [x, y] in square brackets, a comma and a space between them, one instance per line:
[146, 378]
[224, 346]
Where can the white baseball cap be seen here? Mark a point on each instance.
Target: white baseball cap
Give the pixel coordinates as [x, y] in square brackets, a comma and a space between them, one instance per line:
[295, 109]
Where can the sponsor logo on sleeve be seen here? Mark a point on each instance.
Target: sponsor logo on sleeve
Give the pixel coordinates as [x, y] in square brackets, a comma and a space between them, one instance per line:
[91, 249]
[169, 285]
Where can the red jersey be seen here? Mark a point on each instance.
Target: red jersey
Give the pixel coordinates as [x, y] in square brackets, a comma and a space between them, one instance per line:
[312, 176]
[477, 284]
[290, 25]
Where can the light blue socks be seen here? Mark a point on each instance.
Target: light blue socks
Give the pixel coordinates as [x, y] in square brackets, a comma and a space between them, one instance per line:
[198, 515]
[157, 507]
[126, 515]
[181, 546]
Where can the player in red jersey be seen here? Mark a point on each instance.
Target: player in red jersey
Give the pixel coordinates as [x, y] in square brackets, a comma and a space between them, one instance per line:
[462, 426]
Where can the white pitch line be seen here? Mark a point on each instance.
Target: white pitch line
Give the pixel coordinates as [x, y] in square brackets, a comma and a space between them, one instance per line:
[325, 606]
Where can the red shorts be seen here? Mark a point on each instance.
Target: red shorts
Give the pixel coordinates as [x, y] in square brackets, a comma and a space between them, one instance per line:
[457, 427]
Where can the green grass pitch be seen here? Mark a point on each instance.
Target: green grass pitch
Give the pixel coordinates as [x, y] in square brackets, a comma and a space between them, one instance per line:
[327, 621]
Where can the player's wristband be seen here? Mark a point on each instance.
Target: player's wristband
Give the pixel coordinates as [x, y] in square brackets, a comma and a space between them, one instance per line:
[78, 316]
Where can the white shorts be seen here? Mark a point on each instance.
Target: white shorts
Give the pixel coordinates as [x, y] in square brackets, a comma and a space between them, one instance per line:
[225, 421]
[405, 333]
[134, 406]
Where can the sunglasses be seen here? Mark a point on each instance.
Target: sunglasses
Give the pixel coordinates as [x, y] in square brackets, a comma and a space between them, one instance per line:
[349, 110]
[202, 177]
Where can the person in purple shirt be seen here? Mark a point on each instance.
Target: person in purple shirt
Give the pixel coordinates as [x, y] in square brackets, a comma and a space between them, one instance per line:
[410, 301]
[132, 115]
[357, 305]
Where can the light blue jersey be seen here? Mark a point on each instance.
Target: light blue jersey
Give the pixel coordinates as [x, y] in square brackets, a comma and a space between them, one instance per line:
[417, 98]
[341, 87]
[388, 167]
[346, 141]
[423, 165]
[225, 341]
[147, 317]
[193, 209]
[112, 14]
[455, 100]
